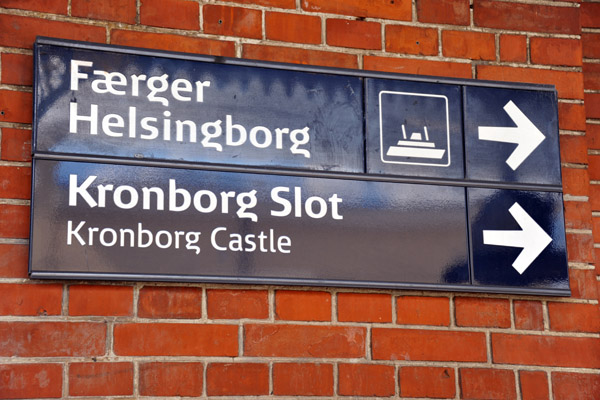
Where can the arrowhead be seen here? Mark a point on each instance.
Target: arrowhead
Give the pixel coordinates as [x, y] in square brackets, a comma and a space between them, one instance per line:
[525, 135]
[529, 139]
[531, 238]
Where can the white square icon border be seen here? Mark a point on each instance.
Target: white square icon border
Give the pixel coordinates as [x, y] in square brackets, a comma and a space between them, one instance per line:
[382, 154]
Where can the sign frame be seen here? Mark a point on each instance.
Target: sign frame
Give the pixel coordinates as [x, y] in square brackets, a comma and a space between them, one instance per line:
[363, 74]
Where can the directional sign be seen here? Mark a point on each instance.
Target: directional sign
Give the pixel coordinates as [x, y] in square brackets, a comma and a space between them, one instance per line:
[511, 136]
[151, 165]
[127, 221]
[155, 108]
[414, 129]
[517, 238]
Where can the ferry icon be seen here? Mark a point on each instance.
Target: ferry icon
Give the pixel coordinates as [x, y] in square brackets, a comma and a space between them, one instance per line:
[415, 146]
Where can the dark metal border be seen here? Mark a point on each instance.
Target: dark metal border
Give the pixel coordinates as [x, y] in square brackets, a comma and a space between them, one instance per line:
[299, 282]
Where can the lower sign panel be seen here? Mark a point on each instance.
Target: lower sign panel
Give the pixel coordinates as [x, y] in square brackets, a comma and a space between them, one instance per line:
[102, 221]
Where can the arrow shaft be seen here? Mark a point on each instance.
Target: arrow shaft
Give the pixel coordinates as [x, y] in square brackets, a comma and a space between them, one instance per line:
[504, 238]
[499, 134]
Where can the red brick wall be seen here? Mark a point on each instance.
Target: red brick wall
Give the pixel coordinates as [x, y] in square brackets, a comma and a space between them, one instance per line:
[60, 339]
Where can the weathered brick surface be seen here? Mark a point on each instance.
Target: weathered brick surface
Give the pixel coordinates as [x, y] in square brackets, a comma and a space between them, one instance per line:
[184, 379]
[202, 340]
[22, 381]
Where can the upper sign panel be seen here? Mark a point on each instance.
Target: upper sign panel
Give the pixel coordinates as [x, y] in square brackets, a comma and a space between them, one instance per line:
[106, 103]
[512, 136]
[414, 129]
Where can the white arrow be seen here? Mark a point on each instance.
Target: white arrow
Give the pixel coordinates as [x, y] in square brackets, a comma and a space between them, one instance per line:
[531, 238]
[525, 135]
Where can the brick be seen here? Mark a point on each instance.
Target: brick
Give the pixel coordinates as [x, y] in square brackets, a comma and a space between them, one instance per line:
[15, 106]
[162, 339]
[427, 382]
[171, 379]
[513, 48]
[25, 299]
[580, 247]
[302, 379]
[101, 379]
[237, 304]
[100, 300]
[583, 283]
[571, 116]
[592, 105]
[590, 15]
[411, 40]
[16, 144]
[529, 315]
[578, 215]
[419, 67]
[170, 302]
[49, 6]
[269, 3]
[304, 341]
[590, 43]
[293, 305]
[591, 76]
[237, 379]
[366, 380]
[593, 136]
[552, 51]
[15, 182]
[178, 14]
[14, 260]
[20, 31]
[534, 385]
[232, 21]
[452, 12]
[487, 384]
[364, 307]
[570, 317]
[22, 381]
[594, 167]
[52, 339]
[111, 10]
[299, 56]
[397, 10]
[526, 17]
[492, 313]
[17, 69]
[173, 43]
[595, 197]
[353, 34]
[14, 221]
[293, 28]
[575, 386]
[415, 310]
[557, 351]
[471, 45]
[426, 345]
[568, 83]
[575, 181]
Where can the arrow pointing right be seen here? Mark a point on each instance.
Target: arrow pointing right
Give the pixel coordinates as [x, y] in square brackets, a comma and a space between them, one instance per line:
[531, 238]
[526, 135]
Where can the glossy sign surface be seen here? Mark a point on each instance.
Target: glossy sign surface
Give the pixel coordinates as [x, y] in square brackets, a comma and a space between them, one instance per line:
[157, 108]
[313, 230]
[534, 225]
[498, 122]
[414, 129]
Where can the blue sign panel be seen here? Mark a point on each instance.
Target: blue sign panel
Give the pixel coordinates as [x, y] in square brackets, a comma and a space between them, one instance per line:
[150, 165]
[517, 238]
[512, 136]
[146, 222]
[414, 129]
[158, 108]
